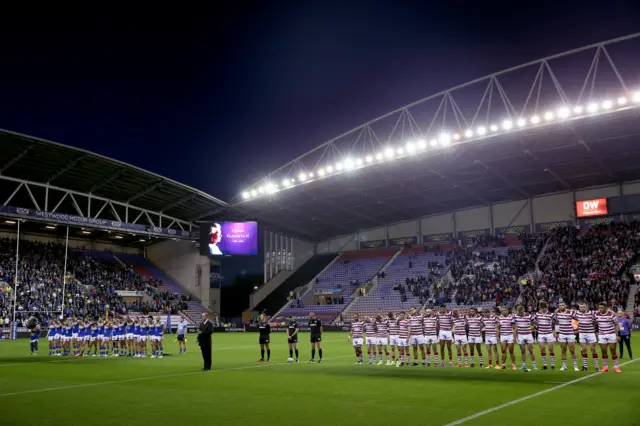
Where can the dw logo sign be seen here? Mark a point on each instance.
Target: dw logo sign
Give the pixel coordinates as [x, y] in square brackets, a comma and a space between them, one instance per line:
[587, 208]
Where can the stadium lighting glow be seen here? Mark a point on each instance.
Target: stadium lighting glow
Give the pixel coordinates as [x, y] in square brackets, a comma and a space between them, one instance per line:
[563, 112]
[118, 237]
[50, 227]
[10, 222]
[388, 152]
[86, 232]
[142, 240]
[444, 139]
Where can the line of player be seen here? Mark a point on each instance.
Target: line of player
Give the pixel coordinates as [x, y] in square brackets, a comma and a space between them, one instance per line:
[429, 331]
[118, 336]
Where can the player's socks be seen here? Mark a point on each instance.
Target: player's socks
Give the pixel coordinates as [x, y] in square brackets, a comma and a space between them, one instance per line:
[291, 353]
[553, 360]
[605, 361]
[585, 360]
[615, 359]
[269, 355]
[313, 354]
[262, 354]
[436, 359]
[596, 362]
[298, 357]
[320, 354]
[161, 350]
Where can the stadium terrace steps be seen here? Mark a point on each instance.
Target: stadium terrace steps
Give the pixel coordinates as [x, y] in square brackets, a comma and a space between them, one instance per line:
[633, 289]
[302, 276]
[383, 297]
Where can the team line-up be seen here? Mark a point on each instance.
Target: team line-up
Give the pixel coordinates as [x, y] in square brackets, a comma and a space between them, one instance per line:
[118, 337]
[429, 331]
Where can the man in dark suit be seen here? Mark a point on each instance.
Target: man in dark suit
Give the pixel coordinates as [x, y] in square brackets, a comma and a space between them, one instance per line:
[204, 340]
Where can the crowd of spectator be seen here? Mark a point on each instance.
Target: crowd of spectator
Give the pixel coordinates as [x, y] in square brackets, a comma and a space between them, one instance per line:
[89, 289]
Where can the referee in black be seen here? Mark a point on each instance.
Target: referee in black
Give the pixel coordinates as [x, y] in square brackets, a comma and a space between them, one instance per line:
[316, 337]
[204, 340]
[265, 338]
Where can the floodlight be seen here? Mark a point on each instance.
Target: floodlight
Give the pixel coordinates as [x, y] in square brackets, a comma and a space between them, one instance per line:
[445, 138]
[549, 115]
[433, 143]
[369, 159]
[578, 109]
[400, 151]
[411, 148]
[359, 161]
[388, 152]
[254, 193]
[482, 130]
[245, 195]
[302, 177]
[456, 136]
[521, 122]
[380, 157]
[507, 124]
[348, 164]
[622, 100]
[286, 182]
[636, 97]
[338, 166]
[493, 128]
[320, 172]
[468, 133]
[592, 107]
[535, 119]
[563, 112]
[607, 104]
[422, 144]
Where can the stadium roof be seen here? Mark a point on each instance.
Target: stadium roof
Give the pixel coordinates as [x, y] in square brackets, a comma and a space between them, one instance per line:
[41, 164]
[560, 123]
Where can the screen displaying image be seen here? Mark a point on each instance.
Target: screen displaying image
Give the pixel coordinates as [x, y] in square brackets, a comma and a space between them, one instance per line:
[229, 238]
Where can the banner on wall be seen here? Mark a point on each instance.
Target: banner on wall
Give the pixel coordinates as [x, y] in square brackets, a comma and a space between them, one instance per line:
[474, 233]
[513, 230]
[595, 221]
[328, 292]
[631, 217]
[129, 293]
[548, 226]
[402, 241]
[438, 238]
[373, 244]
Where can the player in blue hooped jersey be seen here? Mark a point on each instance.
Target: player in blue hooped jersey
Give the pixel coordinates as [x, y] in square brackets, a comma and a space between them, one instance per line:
[106, 339]
[75, 334]
[51, 337]
[68, 336]
[157, 334]
[143, 336]
[93, 339]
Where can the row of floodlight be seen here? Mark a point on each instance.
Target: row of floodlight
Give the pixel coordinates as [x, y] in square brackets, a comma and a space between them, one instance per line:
[443, 140]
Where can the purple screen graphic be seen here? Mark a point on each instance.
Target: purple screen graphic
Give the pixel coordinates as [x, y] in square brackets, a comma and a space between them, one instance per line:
[232, 238]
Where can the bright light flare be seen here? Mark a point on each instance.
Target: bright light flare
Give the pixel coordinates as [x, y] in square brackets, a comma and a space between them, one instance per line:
[481, 130]
[592, 107]
[535, 119]
[507, 124]
[563, 112]
[607, 104]
[388, 152]
[368, 159]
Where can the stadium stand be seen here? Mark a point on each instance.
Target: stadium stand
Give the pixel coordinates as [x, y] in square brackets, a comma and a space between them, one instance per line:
[301, 277]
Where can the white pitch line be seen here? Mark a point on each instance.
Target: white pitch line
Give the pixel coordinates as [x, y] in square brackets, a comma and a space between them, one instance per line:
[138, 379]
[526, 398]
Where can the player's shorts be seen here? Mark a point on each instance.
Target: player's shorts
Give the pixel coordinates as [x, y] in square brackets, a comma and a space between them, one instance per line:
[460, 340]
[416, 340]
[607, 338]
[525, 339]
[67, 338]
[587, 337]
[142, 338]
[394, 340]
[292, 340]
[567, 338]
[507, 338]
[56, 336]
[74, 335]
[403, 343]
[445, 335]
[180, 337]
[491, 340]
[129, 336]
[51, 338]
[372, 340]
[263, 340]
[475, 340]
[101, 336]
[358, 341]
[106, 338]
[383, 341]
[316, 338]
[546, 338]
[430, 340]
[93, 338]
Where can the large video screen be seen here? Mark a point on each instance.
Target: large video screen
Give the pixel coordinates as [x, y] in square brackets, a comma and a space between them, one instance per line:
[229, 238]
[588, 208]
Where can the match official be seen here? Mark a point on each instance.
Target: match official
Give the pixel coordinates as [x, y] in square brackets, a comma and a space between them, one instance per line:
[204, 340]
[315, 327]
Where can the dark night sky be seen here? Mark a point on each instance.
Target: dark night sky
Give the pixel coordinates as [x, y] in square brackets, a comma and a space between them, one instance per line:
[217, 98]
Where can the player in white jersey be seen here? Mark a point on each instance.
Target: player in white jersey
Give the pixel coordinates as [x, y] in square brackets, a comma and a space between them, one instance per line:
[566, 335]
[546, 339]
[416, 334]
[430, 325]
[474, 323]
[371, 332]
[460, 338]
[394, 336]
[506, 330]
[445, 333]
[523, 322]
[490, 323]
[355, 335]
[382, 327]
[587, 335]
[608, 336]
[404, 332]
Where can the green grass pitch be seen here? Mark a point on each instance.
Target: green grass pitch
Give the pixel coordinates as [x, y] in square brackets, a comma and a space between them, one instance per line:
[172, 391]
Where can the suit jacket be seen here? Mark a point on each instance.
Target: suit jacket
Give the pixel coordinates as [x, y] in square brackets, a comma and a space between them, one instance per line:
[204, 333]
